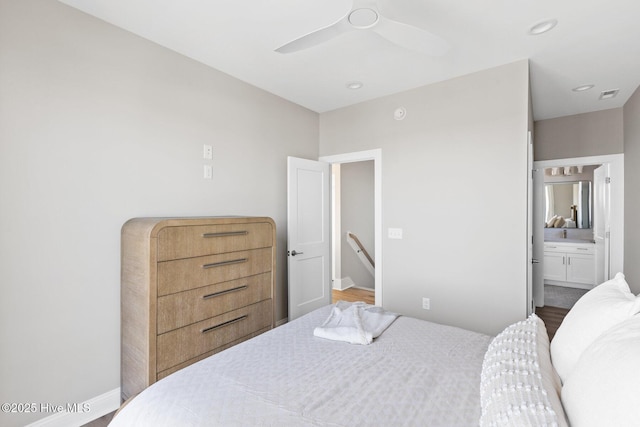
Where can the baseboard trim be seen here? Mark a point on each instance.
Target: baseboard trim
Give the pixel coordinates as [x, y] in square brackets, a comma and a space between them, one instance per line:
[95, 408]
[363, 288]
[568, 284]
[282, 321]
[342, 284]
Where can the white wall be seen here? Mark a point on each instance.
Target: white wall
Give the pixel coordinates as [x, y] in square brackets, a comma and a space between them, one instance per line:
[632, 191]
[463, 247]
[98, 126]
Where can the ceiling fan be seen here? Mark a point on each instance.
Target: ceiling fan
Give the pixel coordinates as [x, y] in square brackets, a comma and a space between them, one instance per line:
[365, 15]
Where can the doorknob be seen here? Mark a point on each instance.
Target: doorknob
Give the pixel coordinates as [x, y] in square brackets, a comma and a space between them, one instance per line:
[294, 253]
[534, 261]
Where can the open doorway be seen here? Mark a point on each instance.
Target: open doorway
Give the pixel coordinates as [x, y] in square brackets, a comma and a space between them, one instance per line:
[583, 241]
[351, 267]
[353, 231]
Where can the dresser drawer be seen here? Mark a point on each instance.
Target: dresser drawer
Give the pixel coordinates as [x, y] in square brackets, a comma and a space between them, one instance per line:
[191, 341]
[191, 273]
[192, 241]
[184, 364]
[185, 308]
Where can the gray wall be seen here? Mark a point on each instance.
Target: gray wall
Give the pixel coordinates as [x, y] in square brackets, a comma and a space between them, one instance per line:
[589, 134]
[98, 126]
[632, 191]
[443, 183]
[357, 216]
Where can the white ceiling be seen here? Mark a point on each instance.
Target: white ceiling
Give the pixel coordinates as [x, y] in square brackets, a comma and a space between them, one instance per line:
[595, 42]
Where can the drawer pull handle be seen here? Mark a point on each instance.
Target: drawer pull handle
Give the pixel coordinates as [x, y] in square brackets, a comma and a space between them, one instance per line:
[225, 234]
[583, 249]
[222, 263]
[228, 291]
[223, 324]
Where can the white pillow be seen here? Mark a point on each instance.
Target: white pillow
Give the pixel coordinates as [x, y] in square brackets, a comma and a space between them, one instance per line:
[518, 385]
[598, 310]
[603, 389]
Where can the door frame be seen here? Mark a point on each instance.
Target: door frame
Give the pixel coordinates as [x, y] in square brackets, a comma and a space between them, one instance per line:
[616, 173]
[376, 156]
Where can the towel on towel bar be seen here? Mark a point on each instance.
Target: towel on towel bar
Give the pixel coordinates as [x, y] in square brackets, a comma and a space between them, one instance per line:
[355, 323]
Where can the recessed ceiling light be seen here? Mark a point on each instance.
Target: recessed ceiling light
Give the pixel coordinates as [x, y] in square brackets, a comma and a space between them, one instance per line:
[543, 27]
[582, 88]
[354, 85]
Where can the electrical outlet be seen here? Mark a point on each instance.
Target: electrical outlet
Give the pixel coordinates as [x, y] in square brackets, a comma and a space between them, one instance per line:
[426, 303]
[207, 152]
[395, 233]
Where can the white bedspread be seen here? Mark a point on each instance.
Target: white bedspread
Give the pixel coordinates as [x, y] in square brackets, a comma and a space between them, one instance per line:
[416, 373]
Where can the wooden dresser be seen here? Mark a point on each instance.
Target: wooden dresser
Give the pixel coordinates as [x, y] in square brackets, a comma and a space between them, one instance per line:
[191, 287]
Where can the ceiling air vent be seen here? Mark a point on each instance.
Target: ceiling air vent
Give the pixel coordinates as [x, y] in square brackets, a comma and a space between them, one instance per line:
[608, 94]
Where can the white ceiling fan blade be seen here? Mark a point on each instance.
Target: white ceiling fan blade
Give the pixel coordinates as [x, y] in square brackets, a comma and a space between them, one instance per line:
[411, 37]
[316, 37]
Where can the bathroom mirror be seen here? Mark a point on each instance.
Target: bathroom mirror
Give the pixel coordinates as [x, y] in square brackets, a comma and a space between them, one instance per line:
[571, 200]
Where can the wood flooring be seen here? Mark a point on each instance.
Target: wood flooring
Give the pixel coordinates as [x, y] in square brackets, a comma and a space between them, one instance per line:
[552, 318]
[353, 295]
[102, 421]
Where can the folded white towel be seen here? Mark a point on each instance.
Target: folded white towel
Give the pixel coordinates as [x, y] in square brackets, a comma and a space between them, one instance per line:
[355, 323]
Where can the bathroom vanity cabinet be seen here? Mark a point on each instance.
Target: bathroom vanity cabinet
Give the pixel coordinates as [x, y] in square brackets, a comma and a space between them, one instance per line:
[569, 264]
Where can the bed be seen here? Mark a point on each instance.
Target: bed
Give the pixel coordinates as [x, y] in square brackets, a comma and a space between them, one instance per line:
[415, 373]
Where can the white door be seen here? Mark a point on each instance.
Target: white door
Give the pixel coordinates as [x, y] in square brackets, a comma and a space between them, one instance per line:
[537, 240]
[601, 222]
[308, 235]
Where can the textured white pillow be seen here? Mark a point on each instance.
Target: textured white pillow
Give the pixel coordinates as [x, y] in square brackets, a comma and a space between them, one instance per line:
[598, 310]
[603, 389]
[518, 386]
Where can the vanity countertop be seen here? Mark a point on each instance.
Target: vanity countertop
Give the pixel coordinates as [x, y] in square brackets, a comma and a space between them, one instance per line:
[569, 241]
